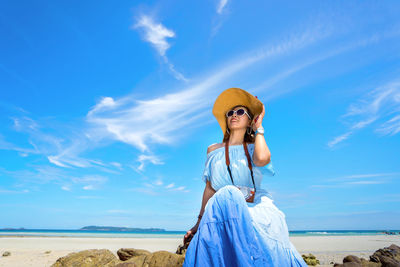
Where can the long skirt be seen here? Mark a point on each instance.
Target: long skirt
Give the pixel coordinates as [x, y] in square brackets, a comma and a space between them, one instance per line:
[233, 232]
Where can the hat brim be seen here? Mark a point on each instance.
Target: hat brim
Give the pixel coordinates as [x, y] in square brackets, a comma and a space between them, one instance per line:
[233, 97]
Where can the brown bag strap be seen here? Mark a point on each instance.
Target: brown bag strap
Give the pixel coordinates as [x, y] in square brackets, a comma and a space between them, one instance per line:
[227, 154]
[247, 156]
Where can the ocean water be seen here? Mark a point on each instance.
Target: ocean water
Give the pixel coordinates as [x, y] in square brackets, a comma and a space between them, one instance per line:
[169, 234]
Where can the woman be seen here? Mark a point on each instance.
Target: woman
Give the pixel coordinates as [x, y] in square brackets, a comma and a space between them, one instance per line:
[238, 224]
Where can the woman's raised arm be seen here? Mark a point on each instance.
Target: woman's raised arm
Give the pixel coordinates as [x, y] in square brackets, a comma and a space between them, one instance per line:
[261, 155]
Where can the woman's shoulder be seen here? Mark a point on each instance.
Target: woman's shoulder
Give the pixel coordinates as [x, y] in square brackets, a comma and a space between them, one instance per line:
[214, 147]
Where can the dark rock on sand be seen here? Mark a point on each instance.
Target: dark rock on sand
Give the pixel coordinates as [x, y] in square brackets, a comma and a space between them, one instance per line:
[157, 259]
[126, 264]
[310, 259]
[386, 257]
[362, 263]
[129, 258]
[127, 253]
[6, 253]
[351, 258]
[140, 257]
[165, 258]
[88, 258]
[355, 261]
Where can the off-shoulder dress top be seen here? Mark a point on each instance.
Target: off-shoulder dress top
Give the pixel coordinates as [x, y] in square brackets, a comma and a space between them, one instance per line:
[216, 171]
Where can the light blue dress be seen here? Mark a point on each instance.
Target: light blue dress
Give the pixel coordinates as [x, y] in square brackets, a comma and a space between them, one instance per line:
[233, 232]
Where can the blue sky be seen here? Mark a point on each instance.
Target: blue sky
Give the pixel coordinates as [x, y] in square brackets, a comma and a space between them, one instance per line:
[105, 108]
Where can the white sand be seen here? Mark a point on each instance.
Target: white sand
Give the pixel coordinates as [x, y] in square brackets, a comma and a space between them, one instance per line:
[329, 249]
[30, 251]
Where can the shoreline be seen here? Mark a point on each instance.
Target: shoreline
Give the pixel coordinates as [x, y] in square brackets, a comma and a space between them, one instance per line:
[32, 250]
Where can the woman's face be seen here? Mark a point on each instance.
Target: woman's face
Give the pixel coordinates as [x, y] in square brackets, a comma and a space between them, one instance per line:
[238, 122]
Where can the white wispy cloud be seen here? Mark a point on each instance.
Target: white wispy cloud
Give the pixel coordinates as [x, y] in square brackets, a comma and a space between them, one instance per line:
[158, 182]
[156, 34]
[376, 199]
[89, 197]
[91, 182]
[162, 117]
[381, 103]
[221, 5]
[170, 185]
[8, 191]
[339, 139]
[39, 175]
[116, 164]
[66, 188]
[221, 17]
[269, 84]
[367, 175]
[180, 188]
[146, 191]
[354, 179]
[25, 122]
[23, 152]
[119, 211]
[48, 174]
[367, 182]
[88, 187]
[150, 158]
[157, 187]
[60, 144]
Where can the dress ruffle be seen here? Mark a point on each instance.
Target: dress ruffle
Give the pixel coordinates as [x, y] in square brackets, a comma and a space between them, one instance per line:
[228, 235]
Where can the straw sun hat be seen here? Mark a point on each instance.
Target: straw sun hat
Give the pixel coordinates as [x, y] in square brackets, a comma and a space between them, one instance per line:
[232, 97]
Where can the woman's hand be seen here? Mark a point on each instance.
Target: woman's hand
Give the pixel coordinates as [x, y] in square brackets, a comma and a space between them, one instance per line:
[257, 121]
[189, 235]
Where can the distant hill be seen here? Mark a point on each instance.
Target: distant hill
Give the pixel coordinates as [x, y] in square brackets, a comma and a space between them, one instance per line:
[121, 229]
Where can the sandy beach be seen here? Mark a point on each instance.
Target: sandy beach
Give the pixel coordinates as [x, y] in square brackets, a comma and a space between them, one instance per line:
[31, 251]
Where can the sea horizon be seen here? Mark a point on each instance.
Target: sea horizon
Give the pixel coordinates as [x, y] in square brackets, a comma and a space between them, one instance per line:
[169, 234]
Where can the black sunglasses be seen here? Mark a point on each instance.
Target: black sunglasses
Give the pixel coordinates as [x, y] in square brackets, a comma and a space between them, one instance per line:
[240, 112]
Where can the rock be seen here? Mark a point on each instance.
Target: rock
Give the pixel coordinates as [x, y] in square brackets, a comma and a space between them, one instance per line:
[351, 258]
[388, 256]
[354, 261]
[6, 253]
[88, 258]
[310, 259]
[389, 262]
[365, 263]
[126, 264]
[127, 253]
[47, 252]
[384, 257]
[164, 259]
[348, 264]
[157, 259]
[139, 261]
[130, 258]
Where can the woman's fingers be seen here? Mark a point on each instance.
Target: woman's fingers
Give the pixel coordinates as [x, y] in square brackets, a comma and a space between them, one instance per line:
[187, 236]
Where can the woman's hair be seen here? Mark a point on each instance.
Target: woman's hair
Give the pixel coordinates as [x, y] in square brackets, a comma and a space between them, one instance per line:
[248, 138]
